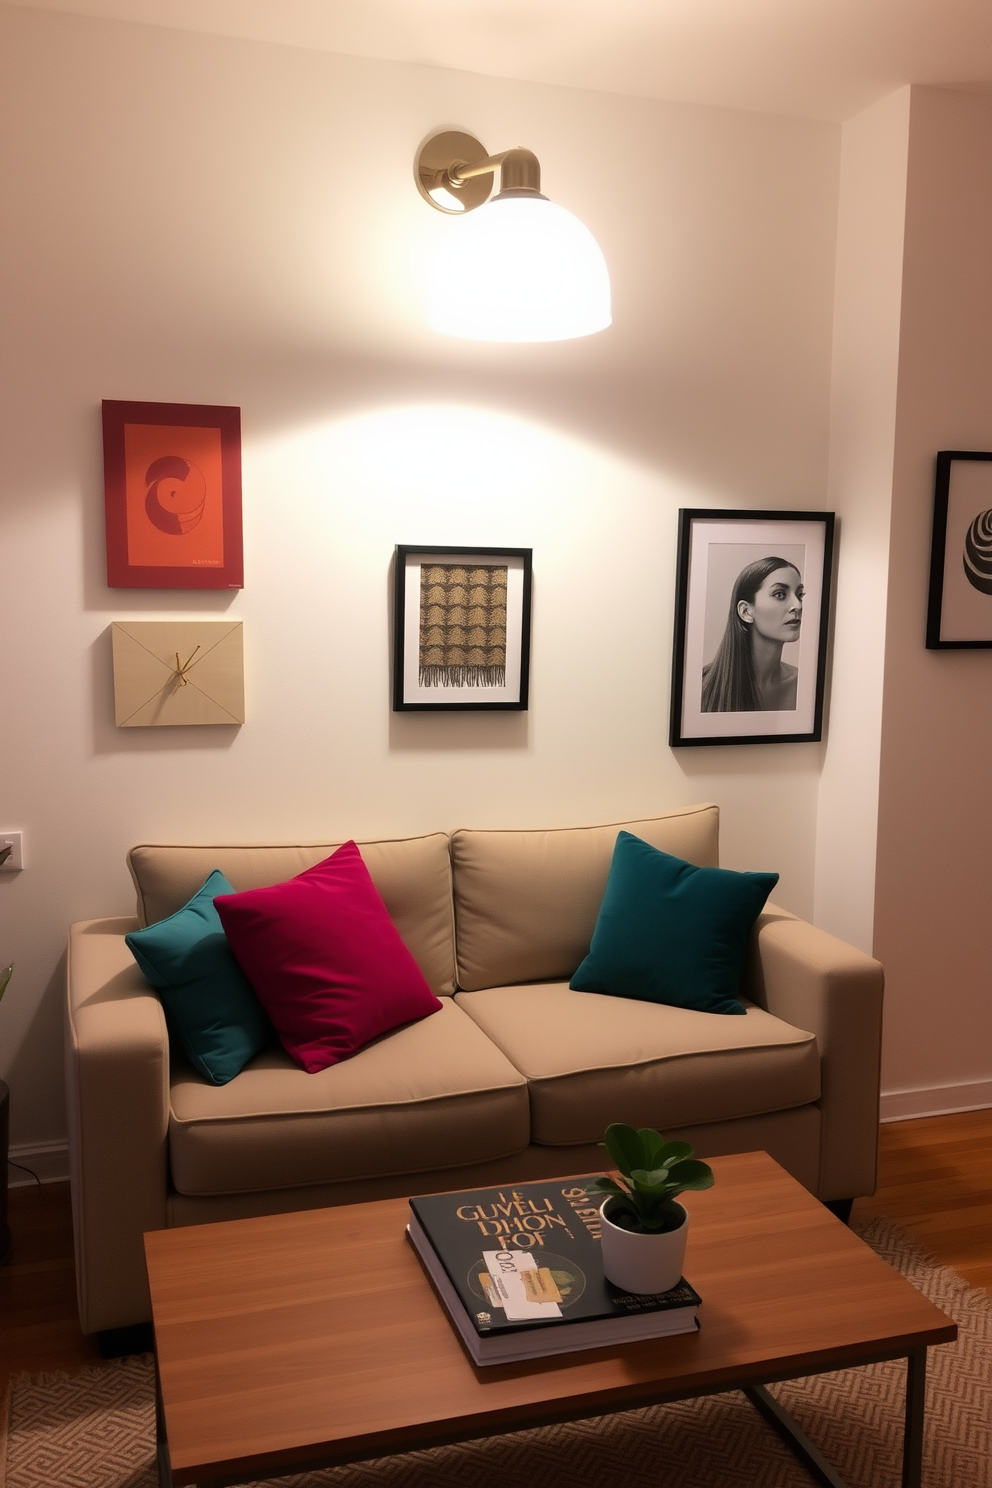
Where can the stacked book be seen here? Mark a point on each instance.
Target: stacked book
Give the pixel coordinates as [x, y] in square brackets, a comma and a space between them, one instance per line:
[520, 1272]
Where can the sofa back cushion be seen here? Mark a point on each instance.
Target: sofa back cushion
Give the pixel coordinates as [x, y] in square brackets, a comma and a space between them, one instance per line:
[526, 902]
[413, 875]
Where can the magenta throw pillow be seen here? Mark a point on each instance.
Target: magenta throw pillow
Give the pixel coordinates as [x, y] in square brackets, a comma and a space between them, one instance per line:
[325, 960]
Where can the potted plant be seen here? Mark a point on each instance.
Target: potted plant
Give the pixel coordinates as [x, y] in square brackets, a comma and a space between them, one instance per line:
[643, 1228]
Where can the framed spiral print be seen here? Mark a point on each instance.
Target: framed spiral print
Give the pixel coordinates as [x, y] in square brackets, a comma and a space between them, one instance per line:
[461, 629]
[959, 613]
[172, 490]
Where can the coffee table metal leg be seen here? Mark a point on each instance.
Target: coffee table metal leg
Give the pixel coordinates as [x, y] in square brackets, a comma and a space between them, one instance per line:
[916, 1387]
[912, 1454]
[794, 1436]
[161, 1440]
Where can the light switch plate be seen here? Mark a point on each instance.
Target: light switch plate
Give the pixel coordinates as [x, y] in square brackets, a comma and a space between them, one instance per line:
[15, 862]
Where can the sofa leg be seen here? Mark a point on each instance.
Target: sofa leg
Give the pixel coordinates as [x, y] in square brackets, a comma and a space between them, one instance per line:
[840, 1207]
[115, 1343]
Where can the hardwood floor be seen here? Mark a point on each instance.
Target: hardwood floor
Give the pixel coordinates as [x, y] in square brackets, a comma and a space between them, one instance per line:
[39, 1328]
[935, 1179]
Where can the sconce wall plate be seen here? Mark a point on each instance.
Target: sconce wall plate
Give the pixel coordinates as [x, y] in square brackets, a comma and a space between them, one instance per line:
[434, 158]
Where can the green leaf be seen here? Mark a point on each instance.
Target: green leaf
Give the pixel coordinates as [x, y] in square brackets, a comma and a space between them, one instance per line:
[605, 1186]
[623, 1144]
[672, 1152]
[652, 1145]
[5, 976]
[692, 1174]
[650, 1179]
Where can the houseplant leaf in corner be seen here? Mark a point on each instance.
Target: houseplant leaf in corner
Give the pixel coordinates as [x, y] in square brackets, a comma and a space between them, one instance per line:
[5, 976]
[644, 1228]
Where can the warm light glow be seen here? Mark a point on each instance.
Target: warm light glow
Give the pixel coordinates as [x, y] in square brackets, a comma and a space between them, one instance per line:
[519, 268]
[446, 200]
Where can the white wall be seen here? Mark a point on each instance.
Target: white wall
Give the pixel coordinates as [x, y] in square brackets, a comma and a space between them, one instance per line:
[204, 220]
[934, 883]
[903, 797]
[867, 312]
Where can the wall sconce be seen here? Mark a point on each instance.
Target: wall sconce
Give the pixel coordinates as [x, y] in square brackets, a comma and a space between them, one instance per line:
[522, 269]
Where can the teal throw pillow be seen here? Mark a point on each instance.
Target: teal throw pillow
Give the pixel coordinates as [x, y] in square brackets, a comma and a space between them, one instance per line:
[209, 1004]
[671, 932]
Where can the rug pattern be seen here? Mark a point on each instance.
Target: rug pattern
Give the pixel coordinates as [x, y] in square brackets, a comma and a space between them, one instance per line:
[95, 1429]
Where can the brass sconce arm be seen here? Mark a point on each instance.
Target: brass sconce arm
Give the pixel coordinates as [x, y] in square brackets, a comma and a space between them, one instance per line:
[519, 170]
[456, 165]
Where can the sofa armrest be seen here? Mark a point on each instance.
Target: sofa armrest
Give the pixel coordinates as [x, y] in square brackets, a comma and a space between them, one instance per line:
[117, 1090]
[815, 981]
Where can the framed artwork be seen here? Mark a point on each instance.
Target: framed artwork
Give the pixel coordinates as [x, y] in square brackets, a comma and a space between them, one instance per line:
[751, 609]
[959, 614]
[172, 486]
[171, 672]
[461, 629]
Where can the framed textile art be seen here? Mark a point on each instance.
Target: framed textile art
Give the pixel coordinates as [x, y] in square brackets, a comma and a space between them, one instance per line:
[751, 610]
[461, 629]
[172, 488]
[959, 613]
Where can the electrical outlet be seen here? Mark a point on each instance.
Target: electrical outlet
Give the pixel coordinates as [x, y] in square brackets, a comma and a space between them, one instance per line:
[14, 861]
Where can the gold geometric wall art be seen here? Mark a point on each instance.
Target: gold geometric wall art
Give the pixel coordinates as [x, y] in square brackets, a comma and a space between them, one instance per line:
[461, 628]
[174, 672]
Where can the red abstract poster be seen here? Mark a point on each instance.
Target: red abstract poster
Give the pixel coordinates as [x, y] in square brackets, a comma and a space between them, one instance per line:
[172, 475]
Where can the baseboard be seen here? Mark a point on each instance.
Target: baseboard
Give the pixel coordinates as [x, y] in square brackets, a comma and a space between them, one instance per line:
[49, 1160]
[935, 1100]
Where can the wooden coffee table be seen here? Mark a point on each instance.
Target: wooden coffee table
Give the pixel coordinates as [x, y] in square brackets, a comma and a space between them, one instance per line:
[309, 1340]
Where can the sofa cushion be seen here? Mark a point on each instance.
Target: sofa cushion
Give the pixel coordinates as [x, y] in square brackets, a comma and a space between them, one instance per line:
[590, 1060]
[210, 1007]
[526, 902]
[671, 932]
[325, 960]
[413, 875]
[435, 1094]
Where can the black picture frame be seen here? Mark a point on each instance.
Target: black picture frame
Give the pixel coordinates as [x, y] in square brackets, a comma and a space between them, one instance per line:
[447, 668]
[959, 606]
[716, 547]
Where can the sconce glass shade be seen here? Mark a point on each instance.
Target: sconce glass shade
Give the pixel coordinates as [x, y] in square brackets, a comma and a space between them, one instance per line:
[519, 268]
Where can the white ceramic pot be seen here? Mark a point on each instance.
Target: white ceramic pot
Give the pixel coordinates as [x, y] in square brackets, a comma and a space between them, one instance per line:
[642, 1263]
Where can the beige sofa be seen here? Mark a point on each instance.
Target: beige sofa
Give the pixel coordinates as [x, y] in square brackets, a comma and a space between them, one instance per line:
[515, 1078]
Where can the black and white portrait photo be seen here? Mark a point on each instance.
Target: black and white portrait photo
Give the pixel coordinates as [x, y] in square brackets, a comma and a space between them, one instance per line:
[750, 626]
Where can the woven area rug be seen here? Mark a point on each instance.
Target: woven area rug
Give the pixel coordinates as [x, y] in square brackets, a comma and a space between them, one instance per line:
[95, 1429]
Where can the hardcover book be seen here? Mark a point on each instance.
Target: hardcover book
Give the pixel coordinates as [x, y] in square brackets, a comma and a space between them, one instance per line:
[520, 1272]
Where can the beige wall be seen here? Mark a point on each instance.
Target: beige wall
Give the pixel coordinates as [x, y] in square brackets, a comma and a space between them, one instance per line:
[934, 883]
[867, 309]
[902, 797]
[199, 219]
